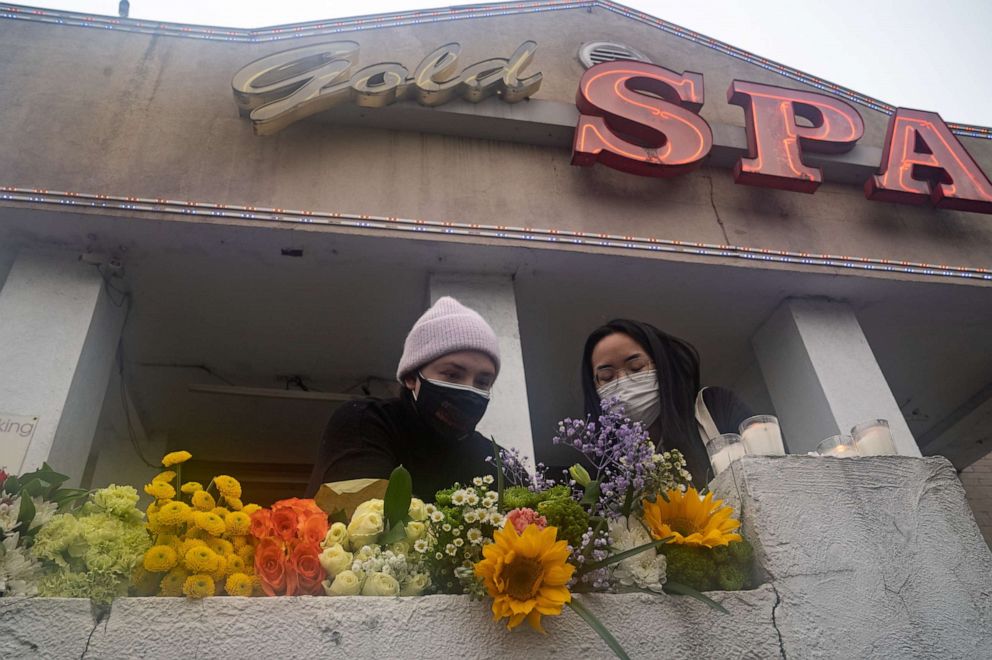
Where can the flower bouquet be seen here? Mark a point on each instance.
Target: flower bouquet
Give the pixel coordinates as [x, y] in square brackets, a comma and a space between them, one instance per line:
[202, 541]
[26, 503]
[287, 554]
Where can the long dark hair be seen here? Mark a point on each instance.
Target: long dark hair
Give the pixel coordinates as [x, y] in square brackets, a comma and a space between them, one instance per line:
[677, 363]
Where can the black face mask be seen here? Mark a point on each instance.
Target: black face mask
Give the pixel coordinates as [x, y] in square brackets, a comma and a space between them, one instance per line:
[451, 411]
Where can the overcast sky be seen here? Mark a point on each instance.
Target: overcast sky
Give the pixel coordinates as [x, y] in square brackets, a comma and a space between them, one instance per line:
[916, 53]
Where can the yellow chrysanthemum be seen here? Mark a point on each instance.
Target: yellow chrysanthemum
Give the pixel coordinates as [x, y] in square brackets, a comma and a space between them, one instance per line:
[239, 541]
[160, 490]
[203, 501]
[234, 504]
[220, 546]
[174, 513]
[152, 509]
[219, 573]
[238, 524]
[175, 458]
[249, 509]
[691, 520]
[170, 540]
[209, 522]
[227, 486]
[191, 487]
[247, 555]
[198, 586]
[166, 476]
[526, 574]
[234, 564]
[154, 526]
[220, 511]
[201, 559]
[172, 583]
[188, 544]
[159, 559]
[239, 584]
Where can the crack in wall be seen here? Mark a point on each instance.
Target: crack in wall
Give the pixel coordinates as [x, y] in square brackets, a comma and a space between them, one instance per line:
[719, 220]
[778, 601]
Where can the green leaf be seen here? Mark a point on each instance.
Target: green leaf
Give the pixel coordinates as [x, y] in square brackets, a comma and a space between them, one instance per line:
[26, 514]
[590, 493]
[395, 533]
[613, 559]
[628, 501]
[12, 485]
[65, 496]
[683, 590]
[399, 492]
[500, 479]
[32, 487]
[338, 516]
[600, 629]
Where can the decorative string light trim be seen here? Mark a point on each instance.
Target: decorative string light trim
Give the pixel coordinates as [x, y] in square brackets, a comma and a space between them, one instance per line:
[415, 17]
[503, 233]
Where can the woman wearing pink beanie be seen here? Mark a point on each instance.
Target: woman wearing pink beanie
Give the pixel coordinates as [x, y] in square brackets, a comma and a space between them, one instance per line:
[449, 364]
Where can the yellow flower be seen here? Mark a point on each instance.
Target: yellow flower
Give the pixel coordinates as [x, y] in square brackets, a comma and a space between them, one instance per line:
[174, 513]
[220, 546]
[201, 559]
[172, 583]
[209, 522]
[191, 487]
[239, 542]
[188, 544]
[235, 564]
[247, 555]
[160, 490]
[220, 572]
[239, 584]
[238, 524]
[175, 458]
[227, 486]
[152, 509]
[526, 574]
[170, 540]
[203, 501]
[154, 526]
[250, 509]
[234, 503]
[159, 559]
[691, 520]
[166, 476]
[198, 586]
[219, 511]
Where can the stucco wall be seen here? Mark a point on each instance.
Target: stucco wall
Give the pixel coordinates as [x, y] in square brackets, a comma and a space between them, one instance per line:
[865, 558]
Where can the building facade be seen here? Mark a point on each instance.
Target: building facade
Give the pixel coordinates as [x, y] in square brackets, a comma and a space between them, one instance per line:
[180, 273]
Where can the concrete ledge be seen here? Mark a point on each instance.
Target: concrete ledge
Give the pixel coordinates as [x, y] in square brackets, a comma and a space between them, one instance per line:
[865, 558]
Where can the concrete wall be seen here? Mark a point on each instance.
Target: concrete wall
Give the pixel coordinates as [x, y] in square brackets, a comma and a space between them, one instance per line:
[865, 558]
[977, 480]
[109, 112]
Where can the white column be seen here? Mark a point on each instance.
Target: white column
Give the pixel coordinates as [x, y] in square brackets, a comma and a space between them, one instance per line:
[508, 417]
[58, 336]
[822, 375]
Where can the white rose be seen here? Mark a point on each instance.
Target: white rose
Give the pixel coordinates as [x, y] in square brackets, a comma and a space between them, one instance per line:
[415, 530]
[335, 560]
[364, 528]
[416, 584]
[380, 584]
[346, 583]
[338, 533]
[418, 510]
[365, 507]
[400, 548]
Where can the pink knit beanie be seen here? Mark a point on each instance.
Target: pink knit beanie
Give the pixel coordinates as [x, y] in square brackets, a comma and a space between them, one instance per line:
[447, 327]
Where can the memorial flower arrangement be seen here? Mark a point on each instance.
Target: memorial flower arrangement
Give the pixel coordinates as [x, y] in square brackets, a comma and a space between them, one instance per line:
[92, 551]
[288, 538]
[202, 543]
[26, 503]
[605, 527]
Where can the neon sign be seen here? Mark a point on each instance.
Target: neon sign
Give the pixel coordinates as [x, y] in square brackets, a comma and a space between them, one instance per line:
[280, 89]
[642, 118]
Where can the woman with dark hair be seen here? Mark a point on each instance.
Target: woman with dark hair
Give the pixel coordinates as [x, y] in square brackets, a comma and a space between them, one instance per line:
[656, 377]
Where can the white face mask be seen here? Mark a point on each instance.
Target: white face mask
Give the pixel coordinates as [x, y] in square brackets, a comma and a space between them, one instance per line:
[639, 395]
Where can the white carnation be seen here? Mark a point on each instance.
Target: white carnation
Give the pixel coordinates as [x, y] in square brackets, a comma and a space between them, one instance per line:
[645, 570]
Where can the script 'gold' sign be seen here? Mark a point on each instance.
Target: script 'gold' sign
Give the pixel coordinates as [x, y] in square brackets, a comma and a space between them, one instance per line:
[284, 87]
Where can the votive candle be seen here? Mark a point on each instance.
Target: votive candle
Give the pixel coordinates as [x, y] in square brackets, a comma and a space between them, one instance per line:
[873, 438]
[762, 436]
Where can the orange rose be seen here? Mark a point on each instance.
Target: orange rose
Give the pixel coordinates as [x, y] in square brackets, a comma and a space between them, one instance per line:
[314, 528]
[270, 566]
[261, 523]
[300, 506]
[284, 523]
[306, 564]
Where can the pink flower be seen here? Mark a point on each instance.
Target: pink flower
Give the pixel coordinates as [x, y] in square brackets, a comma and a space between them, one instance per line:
[522, 517]
[3, 477]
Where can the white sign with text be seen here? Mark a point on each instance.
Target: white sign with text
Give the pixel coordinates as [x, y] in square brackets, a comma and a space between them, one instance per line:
[16, 432]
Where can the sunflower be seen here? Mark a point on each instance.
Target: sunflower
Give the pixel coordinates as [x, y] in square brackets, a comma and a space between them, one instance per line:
[526, 574]
[691, 520]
